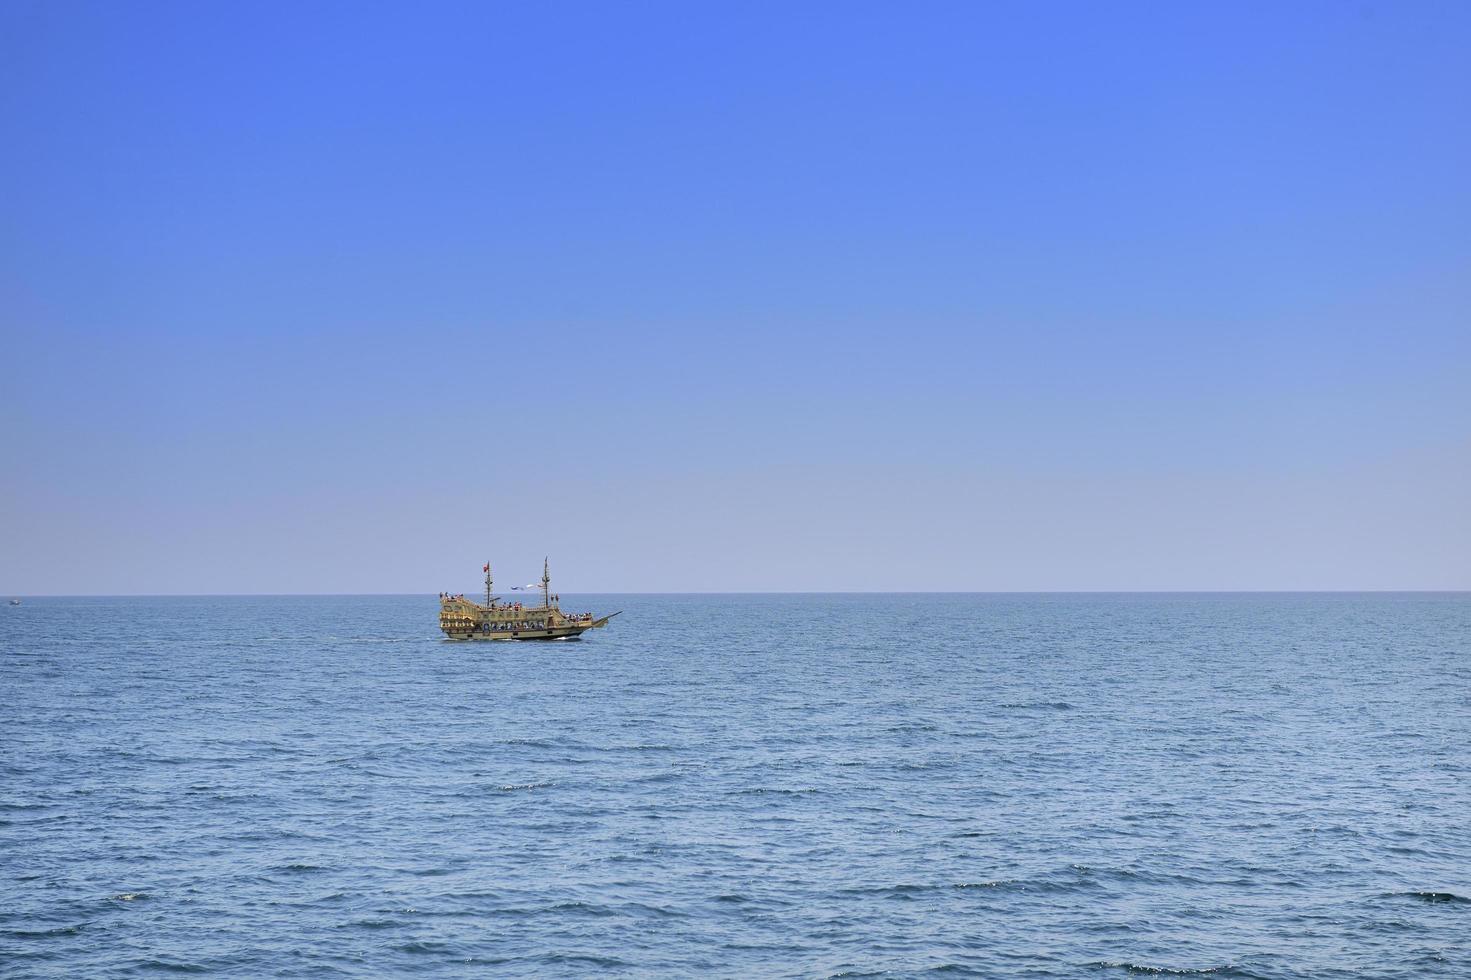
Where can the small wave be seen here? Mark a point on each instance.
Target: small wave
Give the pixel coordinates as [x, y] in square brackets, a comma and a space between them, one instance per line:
[42, 933]
[1140, 969]
[998, 884]
[1438, 898]
[515, 787]
[1142, 876]
[374, 924]
[565, 908]
[582, 908]
[586, 959]
[657, 777]
[924, 766]
[131, 897]
[172, 966]
[1037, 706]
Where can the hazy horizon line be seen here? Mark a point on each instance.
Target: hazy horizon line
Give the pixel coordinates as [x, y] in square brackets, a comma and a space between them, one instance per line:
[795, 592]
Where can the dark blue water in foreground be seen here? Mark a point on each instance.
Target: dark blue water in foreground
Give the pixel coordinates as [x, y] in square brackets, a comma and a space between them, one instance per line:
[1252, 786]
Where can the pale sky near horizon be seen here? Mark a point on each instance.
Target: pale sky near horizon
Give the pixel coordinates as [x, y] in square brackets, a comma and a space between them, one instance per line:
[735, 297]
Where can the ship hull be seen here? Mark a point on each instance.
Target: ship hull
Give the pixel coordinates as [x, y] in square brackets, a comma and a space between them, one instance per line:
[555, 633]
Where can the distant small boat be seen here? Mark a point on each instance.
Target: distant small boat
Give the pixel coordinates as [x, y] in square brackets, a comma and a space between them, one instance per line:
[462, 619]
[15, 602]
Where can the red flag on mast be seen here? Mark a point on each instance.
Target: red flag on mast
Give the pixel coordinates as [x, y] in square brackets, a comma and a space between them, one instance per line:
[486, 568]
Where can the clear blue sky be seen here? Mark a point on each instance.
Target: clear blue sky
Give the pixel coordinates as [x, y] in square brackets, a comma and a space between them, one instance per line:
[348, 297]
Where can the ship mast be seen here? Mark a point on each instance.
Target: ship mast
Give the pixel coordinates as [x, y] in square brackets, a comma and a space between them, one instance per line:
[488, 602]
[546, 581]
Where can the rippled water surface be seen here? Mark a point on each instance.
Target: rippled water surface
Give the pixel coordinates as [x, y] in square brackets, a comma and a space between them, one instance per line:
[1252, 786]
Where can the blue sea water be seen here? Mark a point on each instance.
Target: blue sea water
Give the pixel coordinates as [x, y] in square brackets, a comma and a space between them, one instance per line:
[818, 785]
